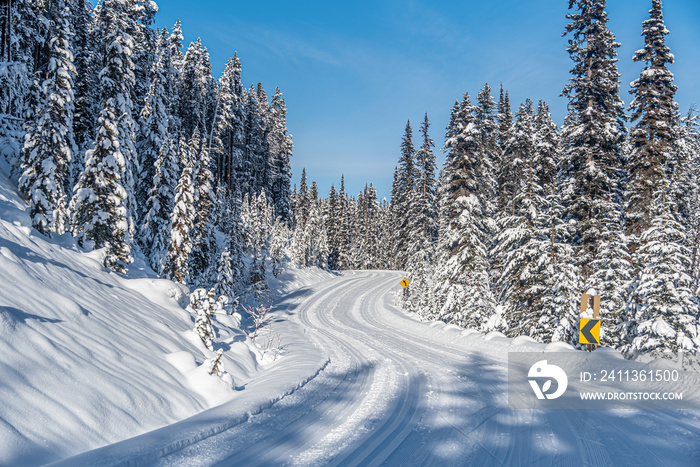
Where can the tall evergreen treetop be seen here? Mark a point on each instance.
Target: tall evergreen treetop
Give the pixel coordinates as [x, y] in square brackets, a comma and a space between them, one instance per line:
[594, 130]
[653, 108]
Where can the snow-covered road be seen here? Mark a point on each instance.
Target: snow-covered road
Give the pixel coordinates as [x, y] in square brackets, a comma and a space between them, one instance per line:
[397, 391]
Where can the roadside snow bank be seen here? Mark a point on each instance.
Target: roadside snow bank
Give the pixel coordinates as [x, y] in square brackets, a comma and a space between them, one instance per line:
[88, 357]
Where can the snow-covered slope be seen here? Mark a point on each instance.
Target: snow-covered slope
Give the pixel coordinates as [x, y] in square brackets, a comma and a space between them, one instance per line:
[88, 357]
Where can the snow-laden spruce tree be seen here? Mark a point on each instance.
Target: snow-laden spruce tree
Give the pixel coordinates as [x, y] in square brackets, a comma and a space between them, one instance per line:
[256, 216]
[559, 317]
[229, 130]
[113, 25]
[203, 239]
[235, 243]
[485, 112]
[683, 169]
[49, 146]
[203, 303]
[688, 142]
[594, 130]
[280, 145]
[176, 56]
[504, 119]
[314, 236]
[197, 90]
[653, 135]
[279, 239]
[337, 227]
[404, 197]
[175, 42]
[155, 229]
[181, 222]
[253, 167]
[663, 307]
[228, 278]
[87, 59]
[424, 218]
[521, 248]
[154, 120]
[302, 202]
[463, 289]
[98, 206]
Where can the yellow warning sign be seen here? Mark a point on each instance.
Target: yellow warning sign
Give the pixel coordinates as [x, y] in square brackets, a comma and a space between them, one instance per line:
[589, 331]
[405, 282]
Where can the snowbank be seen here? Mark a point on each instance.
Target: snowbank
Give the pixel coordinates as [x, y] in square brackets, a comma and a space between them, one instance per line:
[88, 357]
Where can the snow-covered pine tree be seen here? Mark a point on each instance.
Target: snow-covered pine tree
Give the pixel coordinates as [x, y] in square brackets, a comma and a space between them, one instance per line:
[594, 130]
[117, 83]
[202, 257]
[504, 117]
[181, 221]
[517, 250]
[663, 307]
[154, 120]
[504, 174]
[49, 147]
[682, 169]
[226, 282]
[559, 318]
[653, 135]
[487, 123]
[331, 220]
[425, 163]
[385, 236]
[23, 57]
[424, 220]
[177, 57]
[611, 278]
[302, 204]
[87, 57]
[175, 42]
[366, 226]
[142, 14]
[316, 241]
[404, 198]
[256, 217]
[196, 90]
[201, 303]
[155, 228]
[98, 206]
[688, 143]
[463, 289]
[546, 145]
[280, 147]
[279, 239]
[229, 130]
[343, 238]
[253, 168]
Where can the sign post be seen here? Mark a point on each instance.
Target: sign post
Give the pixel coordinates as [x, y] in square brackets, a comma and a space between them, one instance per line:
[589, 328]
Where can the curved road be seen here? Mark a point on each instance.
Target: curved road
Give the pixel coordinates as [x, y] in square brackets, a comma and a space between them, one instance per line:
[400, 392]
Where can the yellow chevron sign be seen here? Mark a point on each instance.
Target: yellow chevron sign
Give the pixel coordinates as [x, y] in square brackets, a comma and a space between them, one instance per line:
[589, 332]
[405, 282]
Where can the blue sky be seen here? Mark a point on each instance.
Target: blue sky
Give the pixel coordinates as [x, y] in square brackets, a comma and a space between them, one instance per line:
[353, 72]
